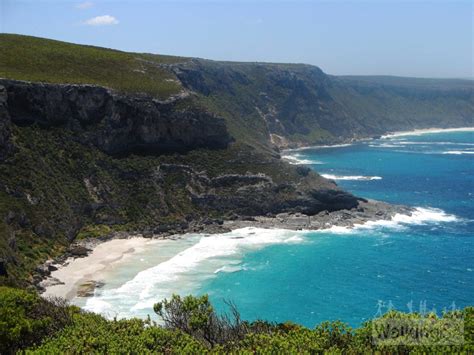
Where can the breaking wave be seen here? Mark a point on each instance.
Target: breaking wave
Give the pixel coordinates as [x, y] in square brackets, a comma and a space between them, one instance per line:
[186, 270]
[350, 177]
[419, 216]
[222, 253]
[419, 132]
[458, 152]
[296, 159]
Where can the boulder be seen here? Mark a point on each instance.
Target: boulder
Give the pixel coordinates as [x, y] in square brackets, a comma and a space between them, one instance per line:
[79, 251]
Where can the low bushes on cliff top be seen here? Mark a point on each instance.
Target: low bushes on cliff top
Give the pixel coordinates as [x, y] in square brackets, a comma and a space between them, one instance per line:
[191, 326]
[26, 319]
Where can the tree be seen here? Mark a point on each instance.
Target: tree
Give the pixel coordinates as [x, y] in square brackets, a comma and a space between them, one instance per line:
[196, 316]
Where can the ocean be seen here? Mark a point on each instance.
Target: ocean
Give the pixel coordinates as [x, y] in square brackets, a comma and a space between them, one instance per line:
[420, 263]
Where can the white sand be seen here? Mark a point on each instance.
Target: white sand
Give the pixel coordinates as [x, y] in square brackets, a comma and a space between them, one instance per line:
[92, 267]
[415, 132]
[428, 130]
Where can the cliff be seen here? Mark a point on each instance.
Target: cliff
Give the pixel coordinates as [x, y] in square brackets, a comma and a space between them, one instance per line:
[295, 105]
[95, 141]
[81, 161]
[116, 124]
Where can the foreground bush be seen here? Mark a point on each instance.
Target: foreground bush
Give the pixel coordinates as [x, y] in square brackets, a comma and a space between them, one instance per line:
[191, 326]
[26, 319]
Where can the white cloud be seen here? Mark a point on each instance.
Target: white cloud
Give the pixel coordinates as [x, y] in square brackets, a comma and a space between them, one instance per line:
[102, 21]
[84, 5]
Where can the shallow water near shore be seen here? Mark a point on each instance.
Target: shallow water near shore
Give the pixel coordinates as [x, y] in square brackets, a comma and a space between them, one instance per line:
[351, 275]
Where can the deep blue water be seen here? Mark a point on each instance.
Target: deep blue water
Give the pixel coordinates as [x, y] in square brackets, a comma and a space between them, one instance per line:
[347, 276]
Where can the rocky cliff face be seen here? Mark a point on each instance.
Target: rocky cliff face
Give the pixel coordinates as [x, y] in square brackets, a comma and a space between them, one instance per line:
[301, 105]
[6, 145]
[257, 194]
[68, 168]
[114, 123]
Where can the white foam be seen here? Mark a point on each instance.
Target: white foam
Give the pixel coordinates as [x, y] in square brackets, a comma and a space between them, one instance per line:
[423, 215]
[418, 132]
[350, 177]
[211, 255]
[160, 281]
[434, 143]
[458, 152]
[228, 269]
[419, 216]
[331, 146]
[385, 145]
[296, 160]
[319, 147]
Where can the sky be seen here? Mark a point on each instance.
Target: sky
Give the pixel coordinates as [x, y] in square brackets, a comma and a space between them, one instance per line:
[385, 37]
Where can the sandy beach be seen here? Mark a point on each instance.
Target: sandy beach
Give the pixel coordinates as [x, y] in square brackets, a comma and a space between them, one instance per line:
[82, 274]
[92, 268]
[427, 131]
[385, 136]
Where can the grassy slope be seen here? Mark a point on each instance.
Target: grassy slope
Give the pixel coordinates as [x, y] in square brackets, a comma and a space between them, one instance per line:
[38, 59]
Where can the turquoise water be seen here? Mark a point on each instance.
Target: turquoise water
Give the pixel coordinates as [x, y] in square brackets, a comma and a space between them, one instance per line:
[346, 276]
[351, 275]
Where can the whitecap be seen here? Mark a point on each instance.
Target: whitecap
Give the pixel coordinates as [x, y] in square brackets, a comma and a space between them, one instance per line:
[331, 146]
[220, 253]
[350, 177]
[228, 269]
[385, 145]
[419, 216]
[423, 215]
[418, 132]
[296, 160]
[209, 256]
[319, 147]
[434, 143]
[458, 152]
[294, 239]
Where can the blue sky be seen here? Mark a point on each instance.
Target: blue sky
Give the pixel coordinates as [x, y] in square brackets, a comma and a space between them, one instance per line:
[407, 38]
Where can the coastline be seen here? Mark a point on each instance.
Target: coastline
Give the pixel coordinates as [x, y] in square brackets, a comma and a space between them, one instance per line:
[348, 143]
[81, 272]
[417, 132]
[74, 275]
[66, 281]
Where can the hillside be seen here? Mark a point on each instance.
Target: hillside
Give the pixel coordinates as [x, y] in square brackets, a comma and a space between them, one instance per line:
[95, 141]
[44, 60]
[301, 105]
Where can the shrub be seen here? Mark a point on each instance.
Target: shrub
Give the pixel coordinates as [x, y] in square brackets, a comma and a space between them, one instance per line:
[196, 316]
[26, 319]
[193, 327]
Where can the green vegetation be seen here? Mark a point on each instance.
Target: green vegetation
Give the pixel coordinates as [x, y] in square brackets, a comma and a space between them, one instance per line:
[192, 326]
[26, 318]
[77, 191]
[44, 60]
[94, 231]
[307, 106]
[55, 188]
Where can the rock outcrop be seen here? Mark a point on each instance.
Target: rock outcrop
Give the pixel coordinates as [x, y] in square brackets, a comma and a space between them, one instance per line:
[256, 194]
[115, 123]
[6, 145]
